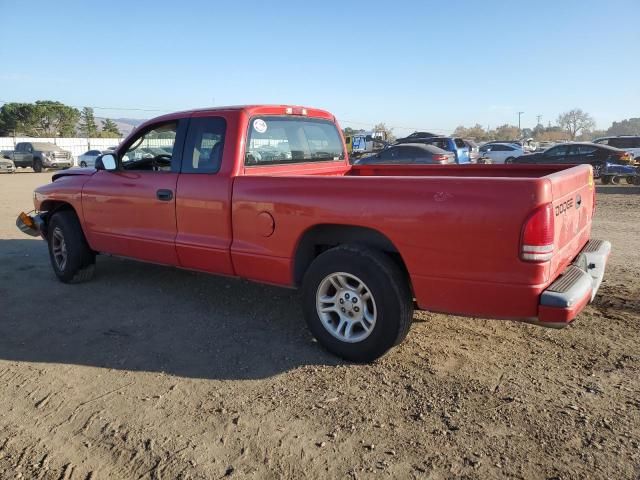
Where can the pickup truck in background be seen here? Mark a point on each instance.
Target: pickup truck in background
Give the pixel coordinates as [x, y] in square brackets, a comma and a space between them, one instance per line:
[39, 155]
[267, 193]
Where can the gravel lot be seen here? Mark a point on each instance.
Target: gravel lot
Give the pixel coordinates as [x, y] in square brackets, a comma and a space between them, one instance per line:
[152, 372]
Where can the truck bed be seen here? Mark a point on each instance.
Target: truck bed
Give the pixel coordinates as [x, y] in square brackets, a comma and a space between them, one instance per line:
[457, 228]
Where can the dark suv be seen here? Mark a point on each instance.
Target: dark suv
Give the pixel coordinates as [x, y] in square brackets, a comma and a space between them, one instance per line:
[628, 143]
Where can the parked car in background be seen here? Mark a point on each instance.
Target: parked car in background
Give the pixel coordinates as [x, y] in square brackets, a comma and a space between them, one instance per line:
[40, 155]
[409, 153]
[7, 166]
[615, 173]
[628, 143]
[415, 136]
[501, 152]
[542, 146]
[598, 156]
[450, 144]
[474, 150]
[88, 158]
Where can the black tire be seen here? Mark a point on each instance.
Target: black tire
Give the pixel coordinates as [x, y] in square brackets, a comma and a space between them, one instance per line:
[606, 180]
[389, 289]
[636, 180]
[630, 180]
[509, 160]
[80, 259]
[615, 179]
[83, 164]
[37, 165]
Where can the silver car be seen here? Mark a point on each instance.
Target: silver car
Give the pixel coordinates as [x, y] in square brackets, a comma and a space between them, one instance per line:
[88, 158]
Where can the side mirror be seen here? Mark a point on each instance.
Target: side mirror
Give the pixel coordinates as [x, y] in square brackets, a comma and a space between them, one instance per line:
[106, 162]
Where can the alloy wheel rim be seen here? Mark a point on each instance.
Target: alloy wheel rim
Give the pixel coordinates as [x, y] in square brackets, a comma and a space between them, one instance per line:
[346, 307]
[59, 248]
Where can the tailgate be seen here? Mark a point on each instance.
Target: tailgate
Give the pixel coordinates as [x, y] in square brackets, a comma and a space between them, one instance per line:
[573, 194]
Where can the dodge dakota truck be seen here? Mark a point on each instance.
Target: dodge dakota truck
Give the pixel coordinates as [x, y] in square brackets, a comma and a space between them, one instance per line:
[267, 193]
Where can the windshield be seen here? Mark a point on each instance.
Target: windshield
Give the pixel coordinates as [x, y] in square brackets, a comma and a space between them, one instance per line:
[275, 140]
[45, 147]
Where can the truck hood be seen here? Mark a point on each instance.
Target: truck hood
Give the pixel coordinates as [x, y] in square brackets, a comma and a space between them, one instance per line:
[71, 172]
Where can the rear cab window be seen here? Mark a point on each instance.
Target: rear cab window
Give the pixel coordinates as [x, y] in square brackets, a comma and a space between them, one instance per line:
[275, 140]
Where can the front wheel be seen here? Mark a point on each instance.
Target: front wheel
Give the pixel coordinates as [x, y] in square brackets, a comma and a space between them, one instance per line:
[37, 166]
[71, 258]
[615, 180]
[509, 160]
[357, 302]
[83, 164]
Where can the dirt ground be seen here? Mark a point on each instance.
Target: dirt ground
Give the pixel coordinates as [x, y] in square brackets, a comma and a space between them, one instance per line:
[152, 372]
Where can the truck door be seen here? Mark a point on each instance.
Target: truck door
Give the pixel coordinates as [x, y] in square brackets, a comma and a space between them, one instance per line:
[132, 211]
[18, 154]
[27, 155]
[203, 198]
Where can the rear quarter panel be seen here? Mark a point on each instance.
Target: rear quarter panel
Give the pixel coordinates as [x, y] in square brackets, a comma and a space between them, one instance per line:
[459, 237]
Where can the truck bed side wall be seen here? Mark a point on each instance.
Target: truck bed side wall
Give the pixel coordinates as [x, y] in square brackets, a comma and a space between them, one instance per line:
[459, 237]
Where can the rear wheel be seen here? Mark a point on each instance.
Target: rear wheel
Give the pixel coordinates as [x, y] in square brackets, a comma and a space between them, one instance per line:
[636, 180]
[357, 302]
[630, 180]
[509, 160]
[615, 179]
[37, 165]
[71, 258]
[83, 164]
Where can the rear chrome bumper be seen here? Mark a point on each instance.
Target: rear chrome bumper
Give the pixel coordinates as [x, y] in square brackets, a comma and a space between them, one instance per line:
[576, 287]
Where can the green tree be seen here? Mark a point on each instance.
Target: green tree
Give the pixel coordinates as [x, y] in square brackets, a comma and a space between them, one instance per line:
[110, 129]
[538, 130]
[477, 133]
[87, 125]
[54, 119]
[625, 127]
[507, 132]
[576, 122]
[17, 119]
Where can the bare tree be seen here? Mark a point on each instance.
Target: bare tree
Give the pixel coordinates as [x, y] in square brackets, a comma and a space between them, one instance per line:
[576, 121]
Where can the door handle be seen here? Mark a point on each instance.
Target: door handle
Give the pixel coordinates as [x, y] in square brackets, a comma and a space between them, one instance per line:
[164, 195]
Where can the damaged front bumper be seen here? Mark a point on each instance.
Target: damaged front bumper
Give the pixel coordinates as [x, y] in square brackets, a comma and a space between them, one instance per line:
[33, 225]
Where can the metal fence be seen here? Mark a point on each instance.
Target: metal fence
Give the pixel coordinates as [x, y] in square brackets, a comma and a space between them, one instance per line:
[75, 145]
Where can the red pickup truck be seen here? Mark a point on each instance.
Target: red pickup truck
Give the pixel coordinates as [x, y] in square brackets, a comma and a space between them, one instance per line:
[267, 193]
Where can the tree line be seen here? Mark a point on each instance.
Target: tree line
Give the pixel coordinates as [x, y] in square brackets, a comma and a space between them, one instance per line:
[575, 124]
[47, 118]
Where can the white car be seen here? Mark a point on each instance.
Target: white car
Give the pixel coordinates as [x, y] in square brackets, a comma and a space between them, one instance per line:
[501, 152]
[88, 159]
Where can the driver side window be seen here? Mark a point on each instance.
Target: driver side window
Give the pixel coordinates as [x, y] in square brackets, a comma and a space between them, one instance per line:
[152, 150]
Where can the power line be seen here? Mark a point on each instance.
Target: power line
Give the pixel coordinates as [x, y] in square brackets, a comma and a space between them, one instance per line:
[367, 124]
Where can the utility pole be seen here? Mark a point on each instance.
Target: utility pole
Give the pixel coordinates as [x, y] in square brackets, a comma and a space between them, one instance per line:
[538, 117]
[519, 115]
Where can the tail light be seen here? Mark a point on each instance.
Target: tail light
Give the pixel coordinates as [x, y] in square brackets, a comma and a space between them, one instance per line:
[536, 244]
[440, 158]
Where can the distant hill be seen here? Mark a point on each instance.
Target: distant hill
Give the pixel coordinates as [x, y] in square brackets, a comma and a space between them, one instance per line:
[125, 125]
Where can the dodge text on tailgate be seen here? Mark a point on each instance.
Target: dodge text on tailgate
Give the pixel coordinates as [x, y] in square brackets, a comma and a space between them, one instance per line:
[267, 193]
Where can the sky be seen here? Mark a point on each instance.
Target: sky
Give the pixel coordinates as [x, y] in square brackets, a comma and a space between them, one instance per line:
[415, 65]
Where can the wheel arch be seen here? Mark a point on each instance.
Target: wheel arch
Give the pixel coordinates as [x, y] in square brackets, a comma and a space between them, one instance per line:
[322, 237]
[54, 206]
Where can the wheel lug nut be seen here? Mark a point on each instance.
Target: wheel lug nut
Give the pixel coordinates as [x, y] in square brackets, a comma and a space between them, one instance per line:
[341, 300]
[346, 295]
[356, 309]
[343, 309]
[354, 299]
